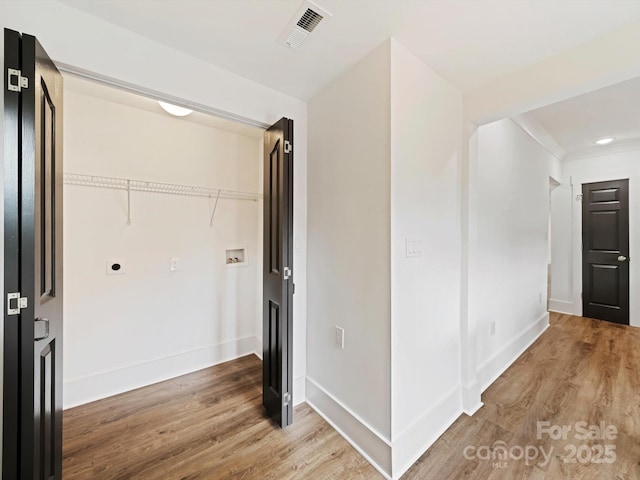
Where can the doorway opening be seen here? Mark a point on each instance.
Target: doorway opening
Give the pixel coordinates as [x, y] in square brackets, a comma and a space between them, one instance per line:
[163, 241]
[553, 184]
[138, 184]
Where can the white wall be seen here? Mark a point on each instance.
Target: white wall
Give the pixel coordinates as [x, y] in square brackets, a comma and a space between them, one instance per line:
[510, 206]
[161, 324]
[385, 166]
[84, 41]
[349, 241]
[566, 281]
[426, 125]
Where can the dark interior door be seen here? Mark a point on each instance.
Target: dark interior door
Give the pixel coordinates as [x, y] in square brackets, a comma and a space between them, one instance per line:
[33, 223]
[605, 251]
[277, 367]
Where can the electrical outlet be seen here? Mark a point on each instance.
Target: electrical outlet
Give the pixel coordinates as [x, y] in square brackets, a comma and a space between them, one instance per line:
[493, 328]
[340, 337]
[175, 264]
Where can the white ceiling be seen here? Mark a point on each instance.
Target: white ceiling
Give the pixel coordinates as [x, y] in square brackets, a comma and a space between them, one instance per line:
[578, 122]
[469, 42]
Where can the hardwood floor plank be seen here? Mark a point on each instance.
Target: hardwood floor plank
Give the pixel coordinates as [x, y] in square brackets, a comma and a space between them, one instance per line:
[205, 425]
[578, 370]
[210, 424]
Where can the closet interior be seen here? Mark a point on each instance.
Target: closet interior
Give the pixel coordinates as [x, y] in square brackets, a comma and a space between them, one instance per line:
[162, 241]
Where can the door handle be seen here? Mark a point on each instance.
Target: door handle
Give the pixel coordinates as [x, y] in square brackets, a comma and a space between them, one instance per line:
[622, 258]
[46, 329]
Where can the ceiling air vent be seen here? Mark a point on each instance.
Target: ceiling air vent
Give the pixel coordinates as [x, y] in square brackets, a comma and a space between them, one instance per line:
[303, 23]
[309, 20]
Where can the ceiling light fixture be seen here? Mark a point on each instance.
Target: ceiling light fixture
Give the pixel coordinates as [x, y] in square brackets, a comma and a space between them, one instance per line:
[175, 110]
[604, 141]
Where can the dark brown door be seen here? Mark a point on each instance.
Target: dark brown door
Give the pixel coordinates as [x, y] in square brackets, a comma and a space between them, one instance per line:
[33, 224]
[605, 251]
[277, 367]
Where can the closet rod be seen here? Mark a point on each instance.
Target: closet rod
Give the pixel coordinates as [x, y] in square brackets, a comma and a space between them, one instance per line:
[167, 188]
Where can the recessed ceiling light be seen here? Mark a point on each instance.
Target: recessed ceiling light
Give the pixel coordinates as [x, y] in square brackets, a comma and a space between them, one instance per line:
[604, 141]
[175, 110]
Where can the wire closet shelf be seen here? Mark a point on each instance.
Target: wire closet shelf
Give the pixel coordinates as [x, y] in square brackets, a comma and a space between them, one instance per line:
[167, 188]
[130, 185]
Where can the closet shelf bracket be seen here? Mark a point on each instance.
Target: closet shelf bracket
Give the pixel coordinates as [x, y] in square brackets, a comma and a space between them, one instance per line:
[215, 206]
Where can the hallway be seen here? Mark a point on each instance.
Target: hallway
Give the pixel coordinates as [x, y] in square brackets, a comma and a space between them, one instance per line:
[579, 370]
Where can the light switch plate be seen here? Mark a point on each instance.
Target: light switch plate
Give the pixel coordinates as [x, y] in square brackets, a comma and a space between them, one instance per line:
[413, 247]
[175, 264]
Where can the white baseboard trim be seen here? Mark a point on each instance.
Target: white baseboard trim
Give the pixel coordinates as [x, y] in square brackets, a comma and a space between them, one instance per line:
[471, 398]
[373, 446]
[413, 441]
[561, 306]
[88, 389]
[490, 370]
[299, 389]
[258, 348]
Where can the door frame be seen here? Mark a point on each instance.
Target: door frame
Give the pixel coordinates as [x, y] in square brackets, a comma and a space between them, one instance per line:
[139, 90]
[69, 69]
[576, 184]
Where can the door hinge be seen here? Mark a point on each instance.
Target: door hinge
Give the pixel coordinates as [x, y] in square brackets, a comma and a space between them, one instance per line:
[19, 303]
[20, 81]
[287, 146]
[287, 273]
[287, 398]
